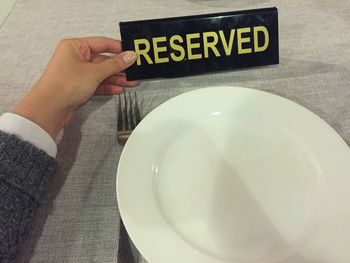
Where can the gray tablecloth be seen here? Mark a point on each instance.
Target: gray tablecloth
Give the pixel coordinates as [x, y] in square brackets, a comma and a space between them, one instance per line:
[80, 222]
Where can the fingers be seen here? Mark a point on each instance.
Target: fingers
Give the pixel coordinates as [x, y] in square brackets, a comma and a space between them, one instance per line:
[114, 85]
[108, 89]
[120, 80]
[103, 45]
[99, 58]
[114, 65]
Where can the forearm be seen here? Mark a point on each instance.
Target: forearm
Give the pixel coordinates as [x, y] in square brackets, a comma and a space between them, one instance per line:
[78, 69]
[43, 107]
[25, 172]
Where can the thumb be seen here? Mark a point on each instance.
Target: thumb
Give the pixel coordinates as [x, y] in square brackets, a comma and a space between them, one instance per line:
[116, 64]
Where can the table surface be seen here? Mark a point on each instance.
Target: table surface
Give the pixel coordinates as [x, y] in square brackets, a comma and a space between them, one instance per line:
[80, 220]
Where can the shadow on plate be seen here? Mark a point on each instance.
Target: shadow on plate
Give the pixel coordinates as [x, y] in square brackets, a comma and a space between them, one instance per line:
[245, 204]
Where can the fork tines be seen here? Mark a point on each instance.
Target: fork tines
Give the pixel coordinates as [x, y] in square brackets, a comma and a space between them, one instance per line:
[128, 116]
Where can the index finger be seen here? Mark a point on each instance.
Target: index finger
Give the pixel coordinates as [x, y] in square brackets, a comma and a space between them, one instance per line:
[103, 45]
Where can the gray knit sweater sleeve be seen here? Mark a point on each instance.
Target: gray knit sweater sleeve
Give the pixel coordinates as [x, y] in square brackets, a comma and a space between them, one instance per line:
[25, 172]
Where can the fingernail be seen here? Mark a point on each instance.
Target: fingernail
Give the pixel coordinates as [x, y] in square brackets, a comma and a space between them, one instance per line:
[129, 57]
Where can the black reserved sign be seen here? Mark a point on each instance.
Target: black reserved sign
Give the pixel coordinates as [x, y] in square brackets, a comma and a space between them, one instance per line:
[182, 46]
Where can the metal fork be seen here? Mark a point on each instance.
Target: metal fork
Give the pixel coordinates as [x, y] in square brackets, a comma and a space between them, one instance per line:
[128, 116]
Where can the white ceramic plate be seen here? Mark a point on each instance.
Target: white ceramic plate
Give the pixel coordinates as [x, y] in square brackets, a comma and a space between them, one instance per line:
[230, 174]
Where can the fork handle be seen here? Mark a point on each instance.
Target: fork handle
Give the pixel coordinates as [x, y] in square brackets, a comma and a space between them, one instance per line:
[123, 137]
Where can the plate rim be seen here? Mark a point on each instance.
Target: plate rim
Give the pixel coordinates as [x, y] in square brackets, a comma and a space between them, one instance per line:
[160, 107]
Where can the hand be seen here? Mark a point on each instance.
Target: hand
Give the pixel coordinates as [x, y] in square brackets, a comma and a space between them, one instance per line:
[75, 72]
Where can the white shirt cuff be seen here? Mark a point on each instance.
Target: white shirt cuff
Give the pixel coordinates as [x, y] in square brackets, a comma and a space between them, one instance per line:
[28, 131]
